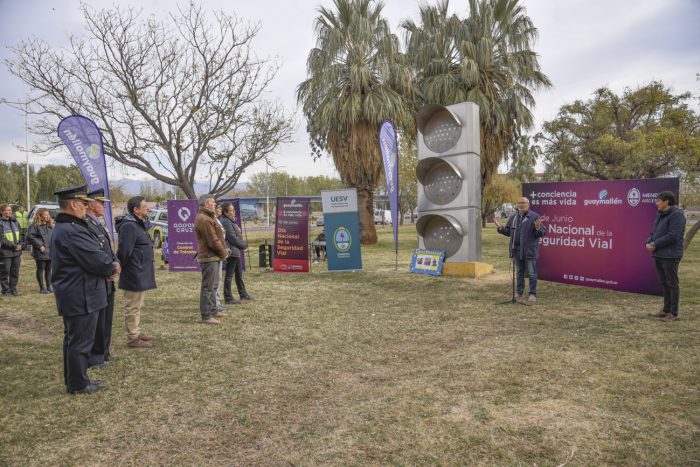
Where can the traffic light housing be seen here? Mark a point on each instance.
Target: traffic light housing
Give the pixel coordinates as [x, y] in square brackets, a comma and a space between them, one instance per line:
[449, 186]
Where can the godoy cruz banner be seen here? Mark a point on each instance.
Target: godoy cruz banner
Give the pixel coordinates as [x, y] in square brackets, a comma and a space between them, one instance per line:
[84, 141]
[182, 241]
[596, 232]
[342, 224]
[291, 235]
[390, 153]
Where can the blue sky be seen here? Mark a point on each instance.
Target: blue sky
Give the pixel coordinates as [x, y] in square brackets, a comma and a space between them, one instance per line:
[583, 44]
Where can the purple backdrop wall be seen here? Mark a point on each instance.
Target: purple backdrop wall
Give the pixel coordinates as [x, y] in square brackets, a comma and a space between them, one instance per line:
[596, 232]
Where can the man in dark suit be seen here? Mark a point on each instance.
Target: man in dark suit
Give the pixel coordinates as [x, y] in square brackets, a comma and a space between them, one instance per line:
[79, 271]
[525, 229]
[103, 334]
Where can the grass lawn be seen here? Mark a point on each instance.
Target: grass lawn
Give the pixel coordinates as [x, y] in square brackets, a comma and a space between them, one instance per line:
[377, 367]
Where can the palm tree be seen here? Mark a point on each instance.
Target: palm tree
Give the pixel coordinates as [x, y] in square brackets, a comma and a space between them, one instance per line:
[485, 58]
[357, 78]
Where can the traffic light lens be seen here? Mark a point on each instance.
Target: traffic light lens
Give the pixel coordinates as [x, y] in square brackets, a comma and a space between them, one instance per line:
[442, 185]
[442, 132]
[439, 234]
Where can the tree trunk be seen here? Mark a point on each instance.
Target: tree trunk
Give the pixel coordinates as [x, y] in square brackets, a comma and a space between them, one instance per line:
[691, 233]
[365, 207]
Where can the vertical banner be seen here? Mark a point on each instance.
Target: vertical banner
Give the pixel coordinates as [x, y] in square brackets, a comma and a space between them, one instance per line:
[596, 232]
[236, 207]
[84, 141]
[390, 154]
[182, 241]
[291, 235]
[342, 224]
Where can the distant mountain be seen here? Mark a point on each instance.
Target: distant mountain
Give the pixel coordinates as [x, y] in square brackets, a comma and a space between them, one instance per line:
[133, 187]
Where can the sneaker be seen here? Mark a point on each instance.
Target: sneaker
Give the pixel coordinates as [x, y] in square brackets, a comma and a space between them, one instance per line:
[658, 314]
[146, 338]
[532, 298]
[519, 296]
[220, 308]
[211, 320]
[139, 344]
[220, 314]
[670, 317]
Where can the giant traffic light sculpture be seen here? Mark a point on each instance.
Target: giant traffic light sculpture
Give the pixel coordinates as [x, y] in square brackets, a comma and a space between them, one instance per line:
[449, 186]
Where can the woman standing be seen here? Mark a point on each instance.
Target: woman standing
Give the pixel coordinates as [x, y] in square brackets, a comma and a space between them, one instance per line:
[10, 251]
[39, 236]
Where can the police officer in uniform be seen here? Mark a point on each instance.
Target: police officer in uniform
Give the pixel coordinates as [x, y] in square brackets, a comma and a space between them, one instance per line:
[79, 270]
[103, 334]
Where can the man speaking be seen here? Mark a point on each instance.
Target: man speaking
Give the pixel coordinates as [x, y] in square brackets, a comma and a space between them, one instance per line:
[525, 230]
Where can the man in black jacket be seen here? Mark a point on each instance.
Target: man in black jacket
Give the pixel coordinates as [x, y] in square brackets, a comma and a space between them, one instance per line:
[665, 243]
[103, 333]
[79, 270]
[236, 244]
[135, 253]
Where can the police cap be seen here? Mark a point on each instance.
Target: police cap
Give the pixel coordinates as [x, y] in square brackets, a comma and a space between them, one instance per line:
[98, 195]
[73, 192]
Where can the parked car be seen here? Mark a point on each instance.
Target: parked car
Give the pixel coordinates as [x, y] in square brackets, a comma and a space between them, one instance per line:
[158, 226]
[378, 216]
[52, 207]
[319, 221]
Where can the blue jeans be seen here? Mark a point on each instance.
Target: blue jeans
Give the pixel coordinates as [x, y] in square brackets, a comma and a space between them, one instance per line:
[520, 265]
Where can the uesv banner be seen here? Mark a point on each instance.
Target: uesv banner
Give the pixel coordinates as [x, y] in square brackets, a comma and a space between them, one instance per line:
[342, 224]
[596, 232]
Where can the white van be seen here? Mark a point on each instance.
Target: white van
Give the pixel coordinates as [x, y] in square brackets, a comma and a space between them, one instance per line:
[378, 216]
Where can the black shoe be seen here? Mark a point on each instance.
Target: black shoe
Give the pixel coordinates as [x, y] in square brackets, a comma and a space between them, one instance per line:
[44, 291]
[111, 358]
[97, 382]
[89, 389]
[14, 293]
[246, 297]
[50, 289]
[232, 302]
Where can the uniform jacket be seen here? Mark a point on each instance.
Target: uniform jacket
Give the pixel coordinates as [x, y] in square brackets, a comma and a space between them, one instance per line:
[212, 245]
[667, 234]
[524, 226]
[135, 253]
[234, 240]
[103, 239]
[79, 268]
[40, 235]
[22, 219]
[10, 237]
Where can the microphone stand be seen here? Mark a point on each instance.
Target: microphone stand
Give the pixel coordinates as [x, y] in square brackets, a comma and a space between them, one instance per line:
[511, 247]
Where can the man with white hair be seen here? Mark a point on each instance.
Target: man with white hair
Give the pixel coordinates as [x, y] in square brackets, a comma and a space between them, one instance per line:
[525, 229]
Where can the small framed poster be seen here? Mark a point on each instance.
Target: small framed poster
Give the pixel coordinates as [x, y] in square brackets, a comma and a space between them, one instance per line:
[427, 262]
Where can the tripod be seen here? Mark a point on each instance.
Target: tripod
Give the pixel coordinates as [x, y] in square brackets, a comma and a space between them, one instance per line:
[514, 232]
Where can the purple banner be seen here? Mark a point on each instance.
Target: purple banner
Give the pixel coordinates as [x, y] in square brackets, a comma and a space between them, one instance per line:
[291, 235]
[236, 207]
[182, 241]
[84, 141]
[390, 155]
[596, 232]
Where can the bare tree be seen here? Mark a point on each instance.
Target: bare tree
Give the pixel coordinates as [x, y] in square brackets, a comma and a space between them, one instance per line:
[175, 99]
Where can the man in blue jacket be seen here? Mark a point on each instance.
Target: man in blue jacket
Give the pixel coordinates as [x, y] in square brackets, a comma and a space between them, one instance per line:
[665, 243]
[525, 230]
[79, 269]
[135, 253]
